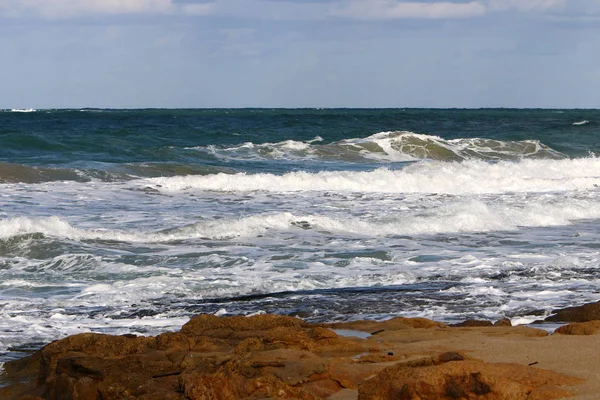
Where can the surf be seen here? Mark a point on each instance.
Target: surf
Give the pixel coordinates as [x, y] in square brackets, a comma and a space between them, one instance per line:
[392, 146]
[467, 177]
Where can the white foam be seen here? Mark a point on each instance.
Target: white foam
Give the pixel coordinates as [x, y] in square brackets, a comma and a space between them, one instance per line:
[469, 177]
[383, 147]
[23, 110]
[55, 226]
[249, 150]
[22, 225]
[250, 278]
[526, 320]
[584, 122]
[459, 215]
[22, 326]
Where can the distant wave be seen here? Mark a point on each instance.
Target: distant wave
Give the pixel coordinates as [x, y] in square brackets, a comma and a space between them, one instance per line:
[467, 177]
[23, 110]
[584, 122]
[396, 146]
[17, 173]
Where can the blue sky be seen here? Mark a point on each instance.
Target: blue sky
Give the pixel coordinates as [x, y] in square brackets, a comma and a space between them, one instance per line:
[299, 53]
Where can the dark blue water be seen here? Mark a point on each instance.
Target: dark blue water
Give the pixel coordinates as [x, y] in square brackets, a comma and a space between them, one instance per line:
[67, 137]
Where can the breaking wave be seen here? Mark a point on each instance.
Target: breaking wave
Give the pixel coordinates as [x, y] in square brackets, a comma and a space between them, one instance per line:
[468, 177]
[396, 146]
[17, 173]
[461, 215]
[23, 110]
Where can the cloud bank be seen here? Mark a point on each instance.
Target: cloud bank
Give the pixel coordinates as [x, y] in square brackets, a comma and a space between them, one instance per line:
[391, 9]
[64, 9]
[526, 5]
[285, 9]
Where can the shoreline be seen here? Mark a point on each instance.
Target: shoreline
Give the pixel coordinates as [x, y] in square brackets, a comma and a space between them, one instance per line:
[270, 356]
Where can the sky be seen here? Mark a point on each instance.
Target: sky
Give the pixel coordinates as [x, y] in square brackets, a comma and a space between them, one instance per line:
[299, 53]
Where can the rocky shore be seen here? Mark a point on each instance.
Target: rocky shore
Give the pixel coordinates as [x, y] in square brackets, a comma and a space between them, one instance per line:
[278, 357]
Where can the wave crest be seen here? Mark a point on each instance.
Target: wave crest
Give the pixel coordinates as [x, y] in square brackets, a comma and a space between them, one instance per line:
[460, 178]
[23, 110]
[395, 146]
[461, 215]
[18, 173]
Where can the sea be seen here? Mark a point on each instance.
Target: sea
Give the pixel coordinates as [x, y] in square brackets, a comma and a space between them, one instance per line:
[132, 221]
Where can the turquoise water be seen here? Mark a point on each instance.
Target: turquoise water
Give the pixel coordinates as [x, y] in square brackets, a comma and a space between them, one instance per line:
[130, 221]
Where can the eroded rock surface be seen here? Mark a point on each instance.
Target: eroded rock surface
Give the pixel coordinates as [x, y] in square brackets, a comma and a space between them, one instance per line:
[263, 357]
[466, 379]
[580, 328]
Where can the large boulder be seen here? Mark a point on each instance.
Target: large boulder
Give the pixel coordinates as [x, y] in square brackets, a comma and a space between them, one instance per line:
[579, 328]
[394, 324]
[586, 312]
[472, 323]
[465, 379]
[223, 358]
[273, 357]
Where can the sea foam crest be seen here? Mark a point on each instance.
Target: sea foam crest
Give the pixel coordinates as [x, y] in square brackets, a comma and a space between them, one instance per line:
[460, 215]
[55, 226]
[468, 177]
[23, 110]
[396, 146]
[23, 225]
[579, 123]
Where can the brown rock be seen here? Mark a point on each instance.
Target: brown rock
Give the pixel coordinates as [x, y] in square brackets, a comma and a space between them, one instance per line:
[235, 387]
[477, 322]
[393, 324]
[276, 373]
[580, 328]
[211, 325]
[212, 357]
[472, 322]
[465, 380]
[380, 357]
[227, 358]
[348, 373]
[322, 388]
[416, 322]
[586, 312]
[450, 356]
[503, 322]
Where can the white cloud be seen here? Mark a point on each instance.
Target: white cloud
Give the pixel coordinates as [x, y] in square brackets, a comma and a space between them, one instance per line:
[198, 9]
[393, 9]
[262, 9]
[526, 5]
[282, 10]
[293, 10]
[60, 9]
